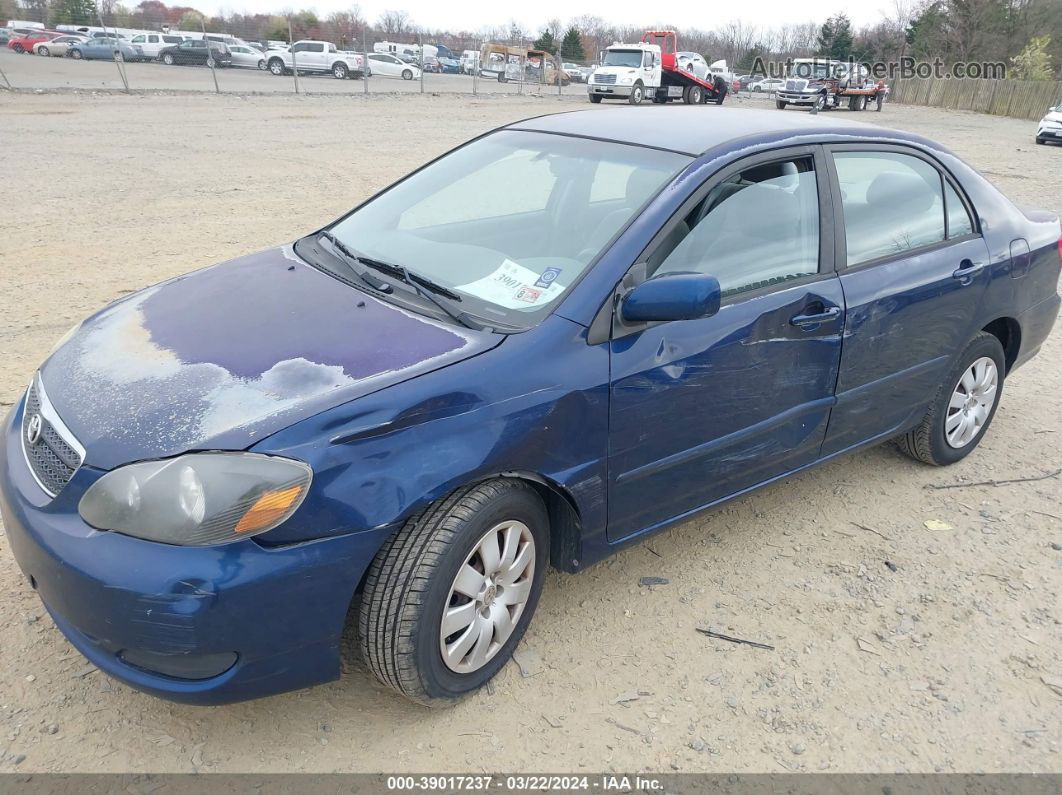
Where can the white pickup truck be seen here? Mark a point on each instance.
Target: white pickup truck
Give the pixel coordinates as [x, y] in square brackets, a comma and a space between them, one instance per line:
[315, 56]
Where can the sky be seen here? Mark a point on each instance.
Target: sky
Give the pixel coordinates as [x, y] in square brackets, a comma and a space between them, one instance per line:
[476, 14]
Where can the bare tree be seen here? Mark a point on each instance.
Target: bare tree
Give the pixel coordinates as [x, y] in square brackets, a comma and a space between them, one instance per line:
[395, 23]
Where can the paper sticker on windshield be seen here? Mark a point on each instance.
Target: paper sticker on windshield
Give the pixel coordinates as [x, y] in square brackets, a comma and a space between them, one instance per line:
[516, 287]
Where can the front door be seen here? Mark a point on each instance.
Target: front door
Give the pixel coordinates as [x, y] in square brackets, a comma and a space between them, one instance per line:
[915, 266]
[702, 409]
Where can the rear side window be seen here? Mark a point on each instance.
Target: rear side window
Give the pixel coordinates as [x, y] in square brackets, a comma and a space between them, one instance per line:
[892, 203]
[754, 229]
[959, 222]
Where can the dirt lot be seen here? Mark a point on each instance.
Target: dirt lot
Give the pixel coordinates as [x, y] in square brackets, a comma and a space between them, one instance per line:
[897, 647]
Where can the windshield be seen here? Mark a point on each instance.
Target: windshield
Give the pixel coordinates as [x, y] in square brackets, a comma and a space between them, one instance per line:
[631, 58]
[817, 70]
[511, 221]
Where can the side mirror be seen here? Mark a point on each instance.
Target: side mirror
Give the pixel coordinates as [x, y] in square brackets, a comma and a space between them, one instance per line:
[673, 296]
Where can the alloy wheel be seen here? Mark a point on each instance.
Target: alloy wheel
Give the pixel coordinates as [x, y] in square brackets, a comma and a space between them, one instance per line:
[971, 402]
[487, 597]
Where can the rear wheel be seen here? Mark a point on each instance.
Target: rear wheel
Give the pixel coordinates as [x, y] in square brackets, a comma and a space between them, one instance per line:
[963, 407]
[75, 54]
[340, 71]
[262, 65]
[43, 51]
[447, 598]
[637, 94]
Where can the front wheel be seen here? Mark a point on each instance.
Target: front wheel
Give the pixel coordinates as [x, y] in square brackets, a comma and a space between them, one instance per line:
[167, 59]
[449, 596]
[637, 94]
[780, 104]
[596, 98]
[407, 74]
[694, 95]
[1040, 140]
[963, 408]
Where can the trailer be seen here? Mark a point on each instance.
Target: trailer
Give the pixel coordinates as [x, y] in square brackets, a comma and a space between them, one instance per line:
[649, 68]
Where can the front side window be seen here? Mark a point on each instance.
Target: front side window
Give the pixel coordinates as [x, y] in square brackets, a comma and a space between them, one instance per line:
[892, 203]
[756, 228]
[509, 222]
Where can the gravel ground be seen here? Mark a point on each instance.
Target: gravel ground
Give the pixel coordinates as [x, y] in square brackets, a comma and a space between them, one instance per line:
[897, 646]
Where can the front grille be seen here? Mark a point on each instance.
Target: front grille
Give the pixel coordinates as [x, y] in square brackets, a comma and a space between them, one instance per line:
[50, 451]
[603, 79]
[795, 85]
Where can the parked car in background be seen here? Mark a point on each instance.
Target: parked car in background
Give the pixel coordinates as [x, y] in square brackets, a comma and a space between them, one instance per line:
[431, 64]
[469, 62]
[25, 42]
[57, 47]
[101, 49]
[574, 72]
[1050, 127]
[388, 65]
[450, 66]
[767, 84]
[247, 56]
[312, 56]
[196, 52]
[149, 45]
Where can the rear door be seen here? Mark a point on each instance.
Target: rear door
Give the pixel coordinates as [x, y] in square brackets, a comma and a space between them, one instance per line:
[913, 266]
[703, 409]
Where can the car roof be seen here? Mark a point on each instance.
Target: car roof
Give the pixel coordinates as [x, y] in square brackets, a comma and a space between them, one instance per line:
[694, 130]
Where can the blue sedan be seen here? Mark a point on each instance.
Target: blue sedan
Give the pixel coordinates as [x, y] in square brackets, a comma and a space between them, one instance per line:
[546, 344]
[103, 49]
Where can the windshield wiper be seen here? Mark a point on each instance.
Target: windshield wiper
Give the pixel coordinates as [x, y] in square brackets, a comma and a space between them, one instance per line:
[418, 283]
[412, 279]
[350, 259]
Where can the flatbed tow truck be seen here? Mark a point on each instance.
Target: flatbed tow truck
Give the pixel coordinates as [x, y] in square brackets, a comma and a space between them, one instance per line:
[824, 84]
[648, 69]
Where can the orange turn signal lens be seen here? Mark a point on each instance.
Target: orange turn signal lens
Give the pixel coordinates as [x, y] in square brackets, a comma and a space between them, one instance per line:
[268, 509]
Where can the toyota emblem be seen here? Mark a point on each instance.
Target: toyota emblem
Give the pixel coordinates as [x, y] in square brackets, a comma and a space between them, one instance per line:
[33, 429]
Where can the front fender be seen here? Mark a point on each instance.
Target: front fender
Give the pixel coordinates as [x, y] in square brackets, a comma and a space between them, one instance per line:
[537, 403]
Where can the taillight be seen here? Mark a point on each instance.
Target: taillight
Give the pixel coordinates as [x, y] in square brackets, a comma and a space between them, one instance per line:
[1060, 248]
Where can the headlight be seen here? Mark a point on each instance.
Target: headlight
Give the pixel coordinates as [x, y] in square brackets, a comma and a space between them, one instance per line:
[197, 499]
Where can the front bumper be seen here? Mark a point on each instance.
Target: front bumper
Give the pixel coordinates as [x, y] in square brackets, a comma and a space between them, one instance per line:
[609, 90]
[797, 97]
[1049, 132]
[278, 612]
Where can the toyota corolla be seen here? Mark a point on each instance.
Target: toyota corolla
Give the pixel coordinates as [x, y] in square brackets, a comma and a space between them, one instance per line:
[557, 338]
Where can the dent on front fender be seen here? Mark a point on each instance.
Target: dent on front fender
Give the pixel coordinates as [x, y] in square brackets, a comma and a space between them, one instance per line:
[537, 404]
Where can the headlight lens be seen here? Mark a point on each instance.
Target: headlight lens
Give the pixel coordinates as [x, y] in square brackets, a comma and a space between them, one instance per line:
[197, 499]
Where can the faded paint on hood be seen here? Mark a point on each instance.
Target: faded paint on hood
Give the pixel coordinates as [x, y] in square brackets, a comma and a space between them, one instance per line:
[220, 358]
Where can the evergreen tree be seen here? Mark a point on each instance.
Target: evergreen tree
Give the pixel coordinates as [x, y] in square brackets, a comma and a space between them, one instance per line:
[835, 38]
[72, 12]
[572, 46]
[546, 42]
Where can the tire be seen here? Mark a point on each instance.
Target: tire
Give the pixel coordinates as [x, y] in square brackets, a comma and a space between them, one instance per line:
[407, 74]
[1041, 141]
[596, 98]
[693, 95]
[757, 88]
[43, 51]
[780, 104]
[637, 93]
[413, 579]
[168, 59]
[262, 65]
[75, 54]
[929, 442]
[276, 67]
[340, 71]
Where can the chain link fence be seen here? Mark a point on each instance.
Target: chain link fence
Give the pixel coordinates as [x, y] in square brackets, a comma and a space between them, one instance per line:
[104, 57]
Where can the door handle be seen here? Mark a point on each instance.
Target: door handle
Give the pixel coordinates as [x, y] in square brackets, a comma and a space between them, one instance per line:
[967, 270]
[807, 320]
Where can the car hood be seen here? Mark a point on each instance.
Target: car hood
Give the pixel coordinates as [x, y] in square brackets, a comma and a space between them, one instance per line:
[222, 357]
[1052, 116]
